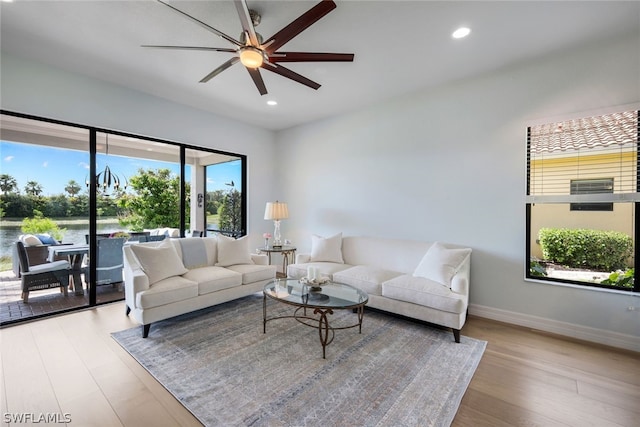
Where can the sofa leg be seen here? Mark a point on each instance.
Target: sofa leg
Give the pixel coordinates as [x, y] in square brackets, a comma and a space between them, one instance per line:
[127, 310]
[456, 334]
[145, 330]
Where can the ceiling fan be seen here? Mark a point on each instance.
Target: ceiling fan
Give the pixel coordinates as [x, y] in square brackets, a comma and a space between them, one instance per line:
[254, 54]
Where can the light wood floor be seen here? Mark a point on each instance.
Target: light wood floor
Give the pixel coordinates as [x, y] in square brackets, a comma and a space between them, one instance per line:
[70, 364]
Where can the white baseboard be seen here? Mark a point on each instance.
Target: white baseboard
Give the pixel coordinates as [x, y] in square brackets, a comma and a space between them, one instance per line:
[614, 339]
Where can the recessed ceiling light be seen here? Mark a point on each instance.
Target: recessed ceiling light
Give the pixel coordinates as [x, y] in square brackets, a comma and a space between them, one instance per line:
[272, 102]
[461, 33]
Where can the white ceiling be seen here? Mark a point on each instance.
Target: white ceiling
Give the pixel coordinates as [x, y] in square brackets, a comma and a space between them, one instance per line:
[399, 47]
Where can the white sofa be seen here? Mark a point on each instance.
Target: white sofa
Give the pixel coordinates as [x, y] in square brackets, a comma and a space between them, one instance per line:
[422, 280]
[176, 276]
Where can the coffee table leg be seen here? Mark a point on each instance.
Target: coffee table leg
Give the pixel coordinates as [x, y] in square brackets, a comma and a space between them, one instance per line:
[323, 328]
[264, 313]
[360, 317]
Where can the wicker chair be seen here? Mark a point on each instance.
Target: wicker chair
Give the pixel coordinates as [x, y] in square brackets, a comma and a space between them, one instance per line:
[42, 276]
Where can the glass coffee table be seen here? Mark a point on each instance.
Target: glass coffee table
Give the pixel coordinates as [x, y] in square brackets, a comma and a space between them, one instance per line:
[314, 303]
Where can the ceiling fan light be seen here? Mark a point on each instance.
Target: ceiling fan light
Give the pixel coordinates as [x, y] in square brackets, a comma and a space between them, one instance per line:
[461, 33]
[251, 57]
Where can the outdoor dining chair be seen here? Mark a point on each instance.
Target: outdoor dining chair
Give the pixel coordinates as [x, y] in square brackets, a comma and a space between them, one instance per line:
[42, 276]
[109, 261]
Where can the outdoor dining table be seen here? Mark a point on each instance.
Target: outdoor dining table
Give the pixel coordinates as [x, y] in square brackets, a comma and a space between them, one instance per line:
[75, 254]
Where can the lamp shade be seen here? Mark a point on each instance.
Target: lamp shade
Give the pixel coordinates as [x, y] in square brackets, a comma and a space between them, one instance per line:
[276, 211]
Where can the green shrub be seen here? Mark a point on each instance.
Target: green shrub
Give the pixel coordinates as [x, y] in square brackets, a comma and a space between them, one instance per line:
[41, 225]
[536, 269]
[583, 248]
[622, 279]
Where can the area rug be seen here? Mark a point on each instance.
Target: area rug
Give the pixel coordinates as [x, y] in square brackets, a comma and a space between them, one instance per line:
[221, 366]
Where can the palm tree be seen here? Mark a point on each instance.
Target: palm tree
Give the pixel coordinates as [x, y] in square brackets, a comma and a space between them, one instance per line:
[73, 188]
[32, 188]
[8, 183]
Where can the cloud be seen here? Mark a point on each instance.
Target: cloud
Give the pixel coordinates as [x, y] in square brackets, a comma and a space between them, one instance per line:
[9, 158]
[45, 164]
[83, 165]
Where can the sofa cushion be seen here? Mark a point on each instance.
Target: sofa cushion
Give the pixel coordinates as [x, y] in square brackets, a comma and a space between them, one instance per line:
[252, 273]
[324, 269]
[233, 251]
[159, 262]
[211, 279]
[421, 291]
[440, 264]
[327, 249]
[366, 278]
[167, 291]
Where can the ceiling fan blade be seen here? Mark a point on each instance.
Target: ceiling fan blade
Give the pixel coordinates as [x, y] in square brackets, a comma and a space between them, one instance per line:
[247, 22]
[202, 24]
[215, 49]
[310, 57]
[220, 69]
[257, 79]
[303, 22]
[285, 72]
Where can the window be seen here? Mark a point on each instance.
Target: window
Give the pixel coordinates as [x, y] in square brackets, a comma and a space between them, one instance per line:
[591, 186]
[582, 195]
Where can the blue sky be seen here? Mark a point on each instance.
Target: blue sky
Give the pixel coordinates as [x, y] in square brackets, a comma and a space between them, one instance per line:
[53, 168]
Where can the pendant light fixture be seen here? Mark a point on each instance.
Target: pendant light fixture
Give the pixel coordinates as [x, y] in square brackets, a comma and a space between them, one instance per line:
[107, 181]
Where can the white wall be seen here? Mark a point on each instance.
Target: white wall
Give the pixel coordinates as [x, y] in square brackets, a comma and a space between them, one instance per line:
[449, 164]
[33, 88]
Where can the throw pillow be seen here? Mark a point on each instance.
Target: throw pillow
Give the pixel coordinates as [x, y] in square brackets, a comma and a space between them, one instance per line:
[46, 239]
[159, 262]
[327, 249]
[441, 264]
[30, 240]
[233, 251]
[194, 252]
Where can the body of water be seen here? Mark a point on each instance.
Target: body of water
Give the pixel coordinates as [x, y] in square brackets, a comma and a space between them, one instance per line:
[75, 233]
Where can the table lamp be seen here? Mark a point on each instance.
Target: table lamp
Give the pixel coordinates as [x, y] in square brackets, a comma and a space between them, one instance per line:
[276, 211]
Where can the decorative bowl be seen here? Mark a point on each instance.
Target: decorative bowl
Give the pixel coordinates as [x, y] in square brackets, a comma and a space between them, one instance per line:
[315, 282]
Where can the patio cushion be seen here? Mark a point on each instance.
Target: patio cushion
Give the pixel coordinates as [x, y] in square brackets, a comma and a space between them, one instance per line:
[30, 240]
[46, 239]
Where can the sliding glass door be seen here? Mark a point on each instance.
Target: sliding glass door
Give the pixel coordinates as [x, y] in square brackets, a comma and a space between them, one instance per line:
[89, 191]
[44, 204]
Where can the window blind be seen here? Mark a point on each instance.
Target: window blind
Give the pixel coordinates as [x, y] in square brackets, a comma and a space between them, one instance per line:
[593, 148]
